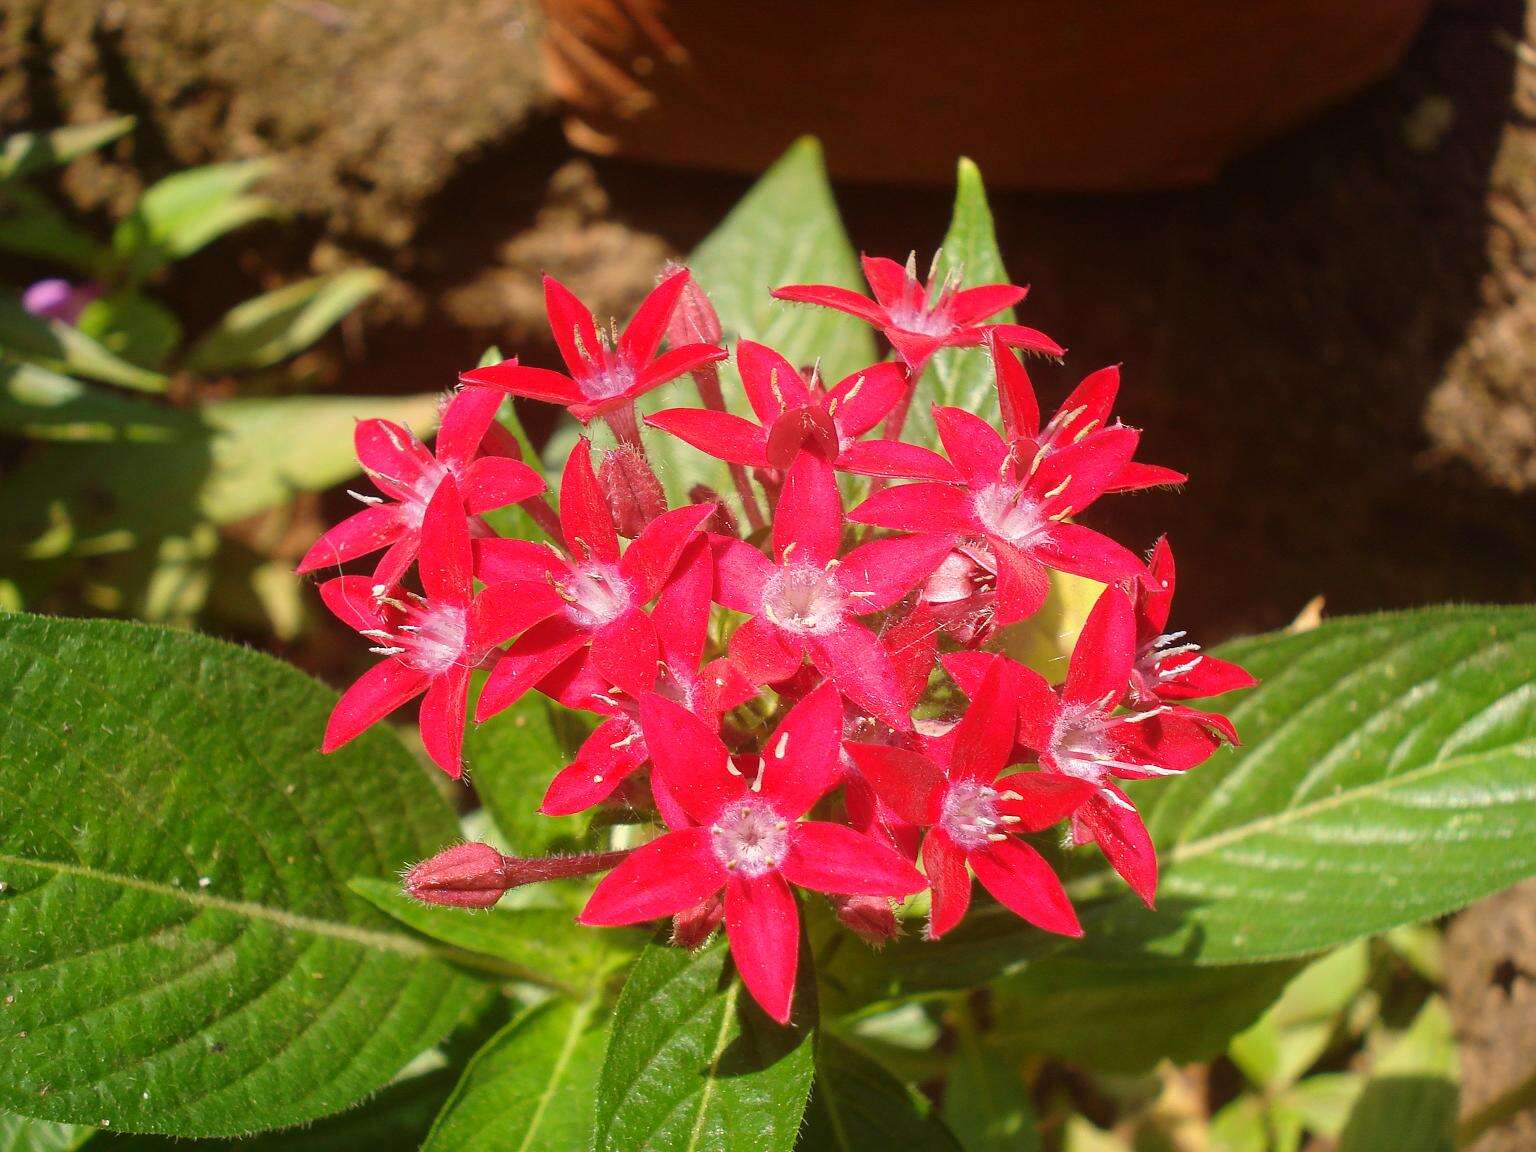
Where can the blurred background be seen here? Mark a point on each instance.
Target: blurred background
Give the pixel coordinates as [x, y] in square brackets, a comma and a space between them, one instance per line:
[1306, 229]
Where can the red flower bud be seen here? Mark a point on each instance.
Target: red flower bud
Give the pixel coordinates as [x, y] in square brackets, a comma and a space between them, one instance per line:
[464, 876]
[692, 928]
[695, 320]
[634, 494]
[872, 917]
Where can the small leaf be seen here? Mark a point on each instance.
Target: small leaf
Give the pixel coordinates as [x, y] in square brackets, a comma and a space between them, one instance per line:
[133, 326]
[857, 1105]
[962, 377]
[55, 344]
[530, 1089]
[24, 153]
[19, 1134]
[262, 332]
[187, 211]
[694, 1065]
[178, 947]
[1324, 1102]
[267, 449]
[986, 1103]
[1241, 1126]
[1409, 1102]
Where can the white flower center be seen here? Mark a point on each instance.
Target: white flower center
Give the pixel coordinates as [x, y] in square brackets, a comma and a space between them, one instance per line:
[595, 594]
[750, 838]
[969, 813]
[606, 381]
[805, 599]
[433, 638]
[923, 321]
[1005, 511]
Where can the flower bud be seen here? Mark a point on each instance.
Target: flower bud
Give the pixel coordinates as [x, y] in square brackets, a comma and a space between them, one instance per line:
[465, 876]
[872, 917]
[720, 520]
[692, 928]
[694, 320]
[56, 299]
[633, 492]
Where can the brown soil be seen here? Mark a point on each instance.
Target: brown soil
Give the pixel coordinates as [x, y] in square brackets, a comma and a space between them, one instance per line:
[1332, 339]
[1491, 979]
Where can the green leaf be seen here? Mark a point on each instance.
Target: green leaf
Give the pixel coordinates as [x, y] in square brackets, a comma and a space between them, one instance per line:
[1409, 1102]
[55, 344]
[267, 449]
[1126, 1018]
[178, 947]
[786, 230]
[46, 405]
[1241, 1126]
[133, 326]
[695, 1065]
[270, 328]
[962, 377]
[24, 153]
[986, 1103]
[31, 226]
[512, 758]
[1387, 775]
[856, 1105]
[19, 1134]
[545, 945]
[1289, 1038]
[187, 211]
[1323, 1102]
[530, 1089]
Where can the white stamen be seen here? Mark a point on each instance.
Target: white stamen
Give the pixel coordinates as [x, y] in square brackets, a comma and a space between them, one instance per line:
[364, 498]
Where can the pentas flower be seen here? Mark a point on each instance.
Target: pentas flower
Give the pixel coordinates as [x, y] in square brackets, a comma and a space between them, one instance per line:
[1168, 666]
[747, 838]
[1081, 414]
[432, 642]
[1015, 501]
[607, 372]
[806, 601]
[409, 474]
[972, 814]
[616, 749]
[1081, 732]
[794, 415]
[585, 606]
[920, 318]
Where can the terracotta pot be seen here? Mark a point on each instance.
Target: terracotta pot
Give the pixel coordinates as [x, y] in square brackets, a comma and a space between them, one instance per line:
[1130, 94]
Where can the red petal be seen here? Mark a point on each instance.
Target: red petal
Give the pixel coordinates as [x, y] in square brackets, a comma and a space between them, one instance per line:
[878, 574]
[1173, 742]
[534, 383]
[831, 296]
[446, 562]
[763, 925]
[642, 335]
[1019, 879]
[973, 305]
[1039, 705]
[856, 662]
[607, 758]
[392, 456]
[834, 858]
[537, 653]
[1046, 798]
[572, 325]
[985, 735]
[465, 423]
[688, 753]
[495, 481]
[577, 787]
[674, 363]
[1084, 552]
[627, 652]
[585, 521]
[375, 527]
[895, 459]
[1022, 584]
[801, 757]
[1122, 836]
[442, 719]
[351, 600]
[396, 562]
[950, 881]
[771, 382]
[509, 609]
[1100, 670]
[741, 571]
[377, 693]
[891, 283]
[1015, 393]
[808, 523]
[668, 875]
[1018, 336]
[973, 445]
[498, 561]
[763, 653]
[1095, 395]
[862, 399]
[682, 611]
[1071, 478]
[922, 508]
[1134, 477]
[717, 434]
[652, 556]
[909, 783]
[1154, 604]
[1211, 676]
[723, 687]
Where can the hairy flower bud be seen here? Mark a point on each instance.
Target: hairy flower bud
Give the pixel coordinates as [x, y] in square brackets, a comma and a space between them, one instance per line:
[872, 917]
[475, 875]
[695, 320]
[634, 494]
[692, 928]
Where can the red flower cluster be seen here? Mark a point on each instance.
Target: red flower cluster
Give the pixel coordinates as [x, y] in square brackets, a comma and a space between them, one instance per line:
[788, 706]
